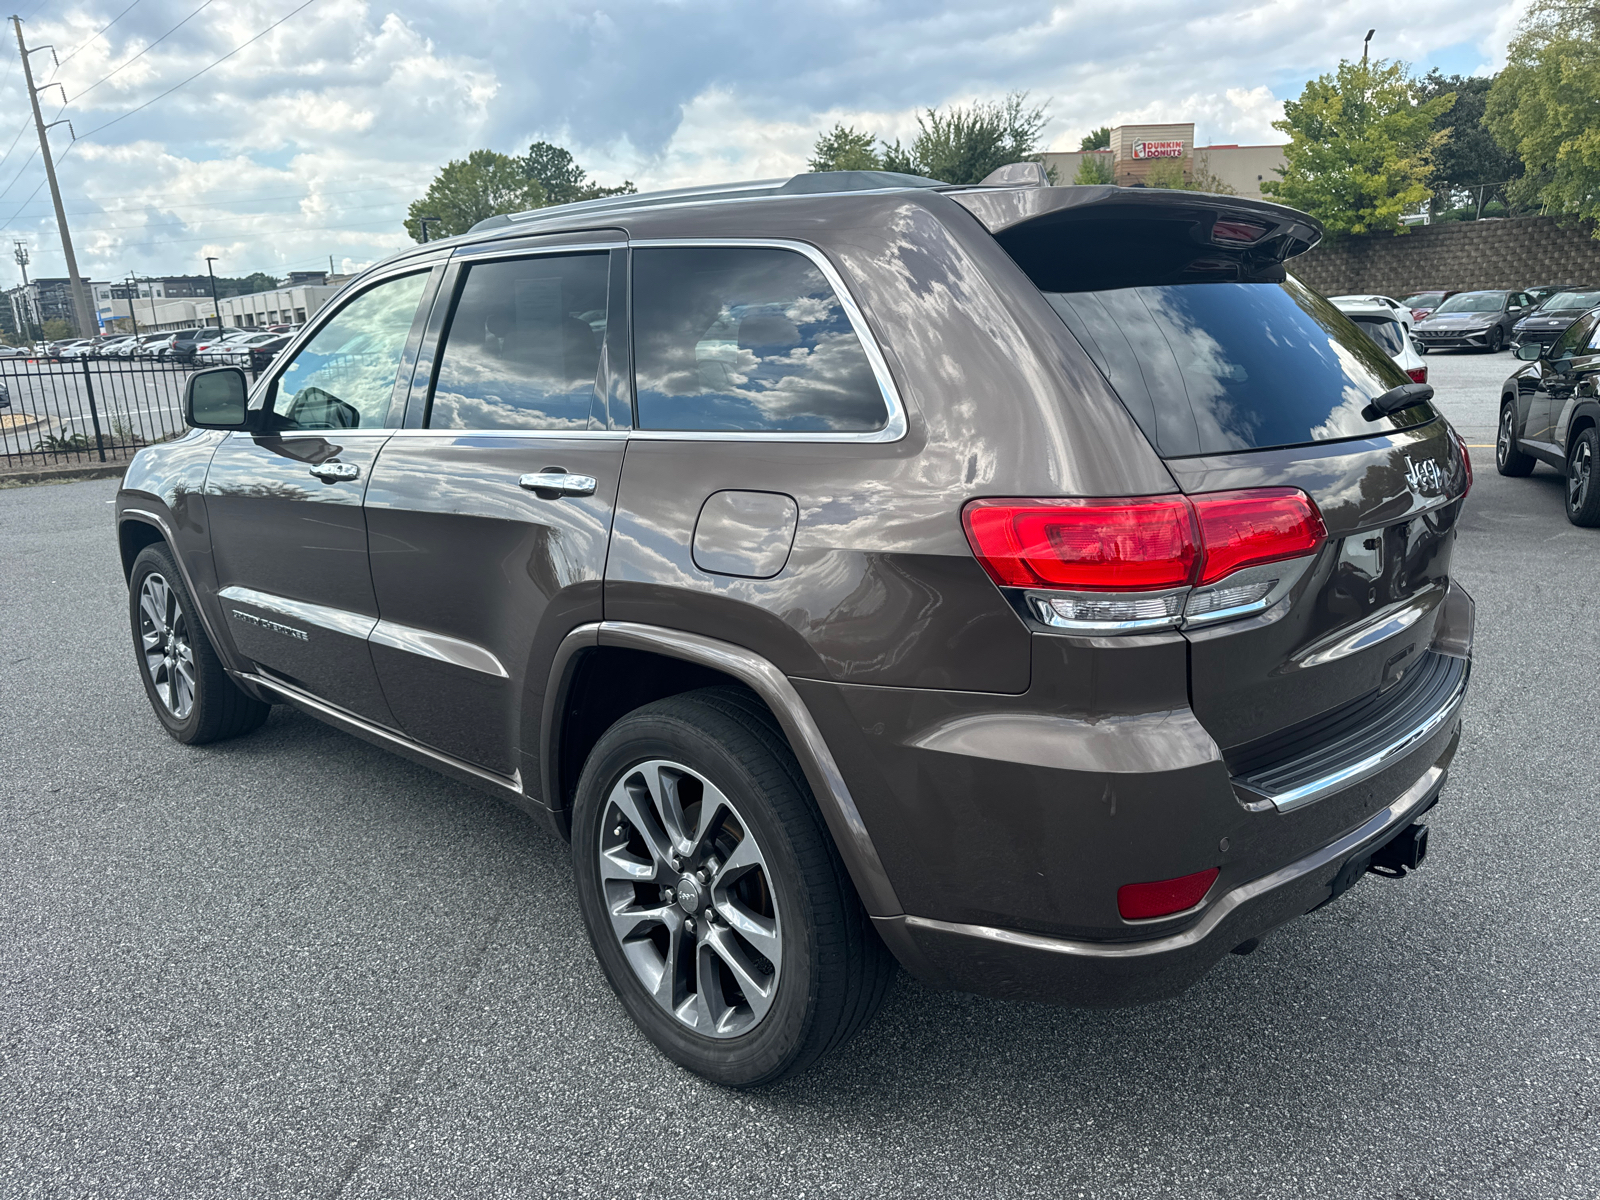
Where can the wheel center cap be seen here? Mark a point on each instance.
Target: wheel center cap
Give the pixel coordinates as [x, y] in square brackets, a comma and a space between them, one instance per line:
[689, 894]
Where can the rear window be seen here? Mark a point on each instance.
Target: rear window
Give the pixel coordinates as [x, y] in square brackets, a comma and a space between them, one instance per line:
[1423, 300]
[1386, 333]
[1208, 368]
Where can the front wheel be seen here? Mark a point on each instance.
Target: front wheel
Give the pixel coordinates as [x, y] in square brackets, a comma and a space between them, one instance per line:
[1583, 489]
[1508, 459]
[191, 694]
[1497, 340]
[713, 895]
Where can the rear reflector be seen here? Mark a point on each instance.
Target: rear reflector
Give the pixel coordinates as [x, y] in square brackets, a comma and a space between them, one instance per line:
[1143, 544]
[1140, 901]
[1418, 374]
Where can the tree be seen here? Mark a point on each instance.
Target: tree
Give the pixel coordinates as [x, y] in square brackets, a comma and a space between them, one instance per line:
[1361, 147]
[57, 328]
[845, 149]
[245, 285]
[962, 145]
[1093, 168]
[466, 191]
[1100, 139]
[1469, 167]
[1545, 106]
[562, 179]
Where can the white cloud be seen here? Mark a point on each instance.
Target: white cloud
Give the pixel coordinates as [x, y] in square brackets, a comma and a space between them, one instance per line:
[311, 141]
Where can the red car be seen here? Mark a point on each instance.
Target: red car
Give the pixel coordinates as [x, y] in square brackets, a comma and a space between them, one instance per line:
[1423, 303]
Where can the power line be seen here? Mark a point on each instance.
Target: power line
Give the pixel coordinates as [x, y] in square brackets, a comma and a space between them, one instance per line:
[218, 220]
[91, 38]
[143, 52]
[200, 72]
[184, 241]
[221, 200]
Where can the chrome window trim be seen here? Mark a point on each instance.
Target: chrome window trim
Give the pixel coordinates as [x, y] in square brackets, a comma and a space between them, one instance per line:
[336, 620]
[543, 435]
[469, 255]
[895, 424]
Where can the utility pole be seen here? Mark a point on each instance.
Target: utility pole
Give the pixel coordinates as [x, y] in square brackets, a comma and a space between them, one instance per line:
[1367, 41]
[22, 261]
[82, 309]
[133, 294]
[216, 305]
[19, 302]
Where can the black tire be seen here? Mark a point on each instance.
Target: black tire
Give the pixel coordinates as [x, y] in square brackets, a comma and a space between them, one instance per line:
[1497, 340]
[215, 707]
[1422, 347]
[1583, 479]
[1508, 458]
[832, 970]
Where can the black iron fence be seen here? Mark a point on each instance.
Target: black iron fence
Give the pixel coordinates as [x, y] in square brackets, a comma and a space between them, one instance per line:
[88, 410]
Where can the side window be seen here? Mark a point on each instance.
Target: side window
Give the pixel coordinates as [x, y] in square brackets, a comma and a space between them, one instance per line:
[522, 350]
[343, 378]
[1576, 335]
[752, 338]
[1593, 345]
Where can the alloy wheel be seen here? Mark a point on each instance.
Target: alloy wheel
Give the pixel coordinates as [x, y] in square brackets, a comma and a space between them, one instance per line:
[1502, 444]
[164, 641]
[689, 897]
[1580, 475]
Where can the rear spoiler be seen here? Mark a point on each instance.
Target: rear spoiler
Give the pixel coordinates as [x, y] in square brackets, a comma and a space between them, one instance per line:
[1091, 238]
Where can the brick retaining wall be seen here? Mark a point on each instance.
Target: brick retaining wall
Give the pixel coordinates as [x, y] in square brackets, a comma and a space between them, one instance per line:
[1462, 255]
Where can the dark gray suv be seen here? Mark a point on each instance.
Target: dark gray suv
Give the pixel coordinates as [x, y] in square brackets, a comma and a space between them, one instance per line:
[1033, 586]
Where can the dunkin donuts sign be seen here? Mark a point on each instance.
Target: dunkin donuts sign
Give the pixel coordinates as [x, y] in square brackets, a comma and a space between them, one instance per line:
[1158, 149]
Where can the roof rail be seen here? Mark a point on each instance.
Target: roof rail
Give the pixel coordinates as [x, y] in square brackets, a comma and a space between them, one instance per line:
[808, 184]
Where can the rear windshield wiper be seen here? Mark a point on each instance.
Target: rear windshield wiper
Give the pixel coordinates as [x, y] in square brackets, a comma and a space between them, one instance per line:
[1404, 396]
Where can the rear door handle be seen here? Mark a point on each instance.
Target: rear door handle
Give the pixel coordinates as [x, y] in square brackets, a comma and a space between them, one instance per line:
[333, 472]
[555, 482]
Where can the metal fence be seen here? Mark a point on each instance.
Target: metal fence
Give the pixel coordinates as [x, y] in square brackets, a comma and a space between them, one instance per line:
[88, 410]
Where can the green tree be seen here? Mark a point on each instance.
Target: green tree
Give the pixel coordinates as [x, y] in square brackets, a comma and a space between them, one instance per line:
[1361, 147]
[562, 179]
[1093, 168]
[1099, 139]
[1545, 106]
[466, 191]
[57, 328]
[844, 148]
[962, 145]
[1166, 173]
[244, 285]
[1470, 167]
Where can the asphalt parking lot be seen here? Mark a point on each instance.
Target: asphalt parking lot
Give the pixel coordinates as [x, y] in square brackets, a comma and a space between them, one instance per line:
[292, 965]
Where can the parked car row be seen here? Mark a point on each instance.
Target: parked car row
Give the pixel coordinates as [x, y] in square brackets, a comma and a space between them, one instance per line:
[1487, 319]
[209, 344]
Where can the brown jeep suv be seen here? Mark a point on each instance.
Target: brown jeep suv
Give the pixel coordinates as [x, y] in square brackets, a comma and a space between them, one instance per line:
[1033, 586]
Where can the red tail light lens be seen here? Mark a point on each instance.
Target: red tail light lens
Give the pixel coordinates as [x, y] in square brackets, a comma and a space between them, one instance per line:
[1089, 545]
[1141, 544]
[1466, 460]
[1237, 231]
[1141, 901]
[1418, 374]
[1263, 525]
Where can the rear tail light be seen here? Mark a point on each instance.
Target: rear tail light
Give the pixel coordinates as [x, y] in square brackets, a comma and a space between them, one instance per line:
[1418, 314]
[1466, 461]
[1237, 231]
[1141, 901]
[1418, 374]
[1107, 552]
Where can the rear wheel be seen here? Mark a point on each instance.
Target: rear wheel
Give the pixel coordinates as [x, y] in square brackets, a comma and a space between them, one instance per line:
[714, 897]
[1508, 459]
[1583, 489]
[191, 694]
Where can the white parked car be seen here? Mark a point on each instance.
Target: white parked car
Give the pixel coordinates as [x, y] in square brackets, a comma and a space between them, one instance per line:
[1383, 325]
[1400, 311]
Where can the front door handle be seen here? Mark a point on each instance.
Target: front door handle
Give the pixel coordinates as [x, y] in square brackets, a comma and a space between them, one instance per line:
[553, 482]
[334, 472]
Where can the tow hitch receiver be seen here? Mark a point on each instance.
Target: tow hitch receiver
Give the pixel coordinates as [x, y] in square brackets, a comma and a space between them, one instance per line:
[1404, 853]
[1401, 853]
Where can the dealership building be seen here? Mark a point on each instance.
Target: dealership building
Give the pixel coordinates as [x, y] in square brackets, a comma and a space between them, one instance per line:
[1136, 149]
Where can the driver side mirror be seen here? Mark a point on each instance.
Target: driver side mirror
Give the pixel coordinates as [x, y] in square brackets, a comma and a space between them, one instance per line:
[217, 398]
[1530, 351]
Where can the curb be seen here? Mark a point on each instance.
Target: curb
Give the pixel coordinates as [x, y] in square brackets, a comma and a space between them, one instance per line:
[107, 470]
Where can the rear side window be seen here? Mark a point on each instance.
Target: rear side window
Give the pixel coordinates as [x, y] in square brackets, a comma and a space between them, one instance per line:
[1208, 368]
[523, 347]
[746, 338]
[1387, 334]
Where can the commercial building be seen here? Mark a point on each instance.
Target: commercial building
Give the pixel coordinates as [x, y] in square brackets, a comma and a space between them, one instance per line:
[1136, 150]
[289, 305]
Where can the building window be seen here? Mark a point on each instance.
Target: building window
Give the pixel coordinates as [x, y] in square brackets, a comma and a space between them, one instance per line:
[300, 315]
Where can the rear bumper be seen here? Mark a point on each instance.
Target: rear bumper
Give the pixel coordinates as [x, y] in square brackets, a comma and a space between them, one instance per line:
[1029, 966]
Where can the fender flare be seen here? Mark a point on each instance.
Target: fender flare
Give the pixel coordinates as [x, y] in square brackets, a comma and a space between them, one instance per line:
[805, 738]
[147, 517]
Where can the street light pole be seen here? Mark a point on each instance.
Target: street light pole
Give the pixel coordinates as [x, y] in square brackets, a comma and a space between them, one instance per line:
[216, 305]
[1367, 41]
[424, 222]
[133, 294]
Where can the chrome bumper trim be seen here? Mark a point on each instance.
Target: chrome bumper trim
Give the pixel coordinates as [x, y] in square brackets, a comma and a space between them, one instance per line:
[1396, 815]
[1366, 768]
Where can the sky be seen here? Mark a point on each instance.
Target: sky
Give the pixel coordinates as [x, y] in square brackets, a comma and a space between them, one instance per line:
[325, 119]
